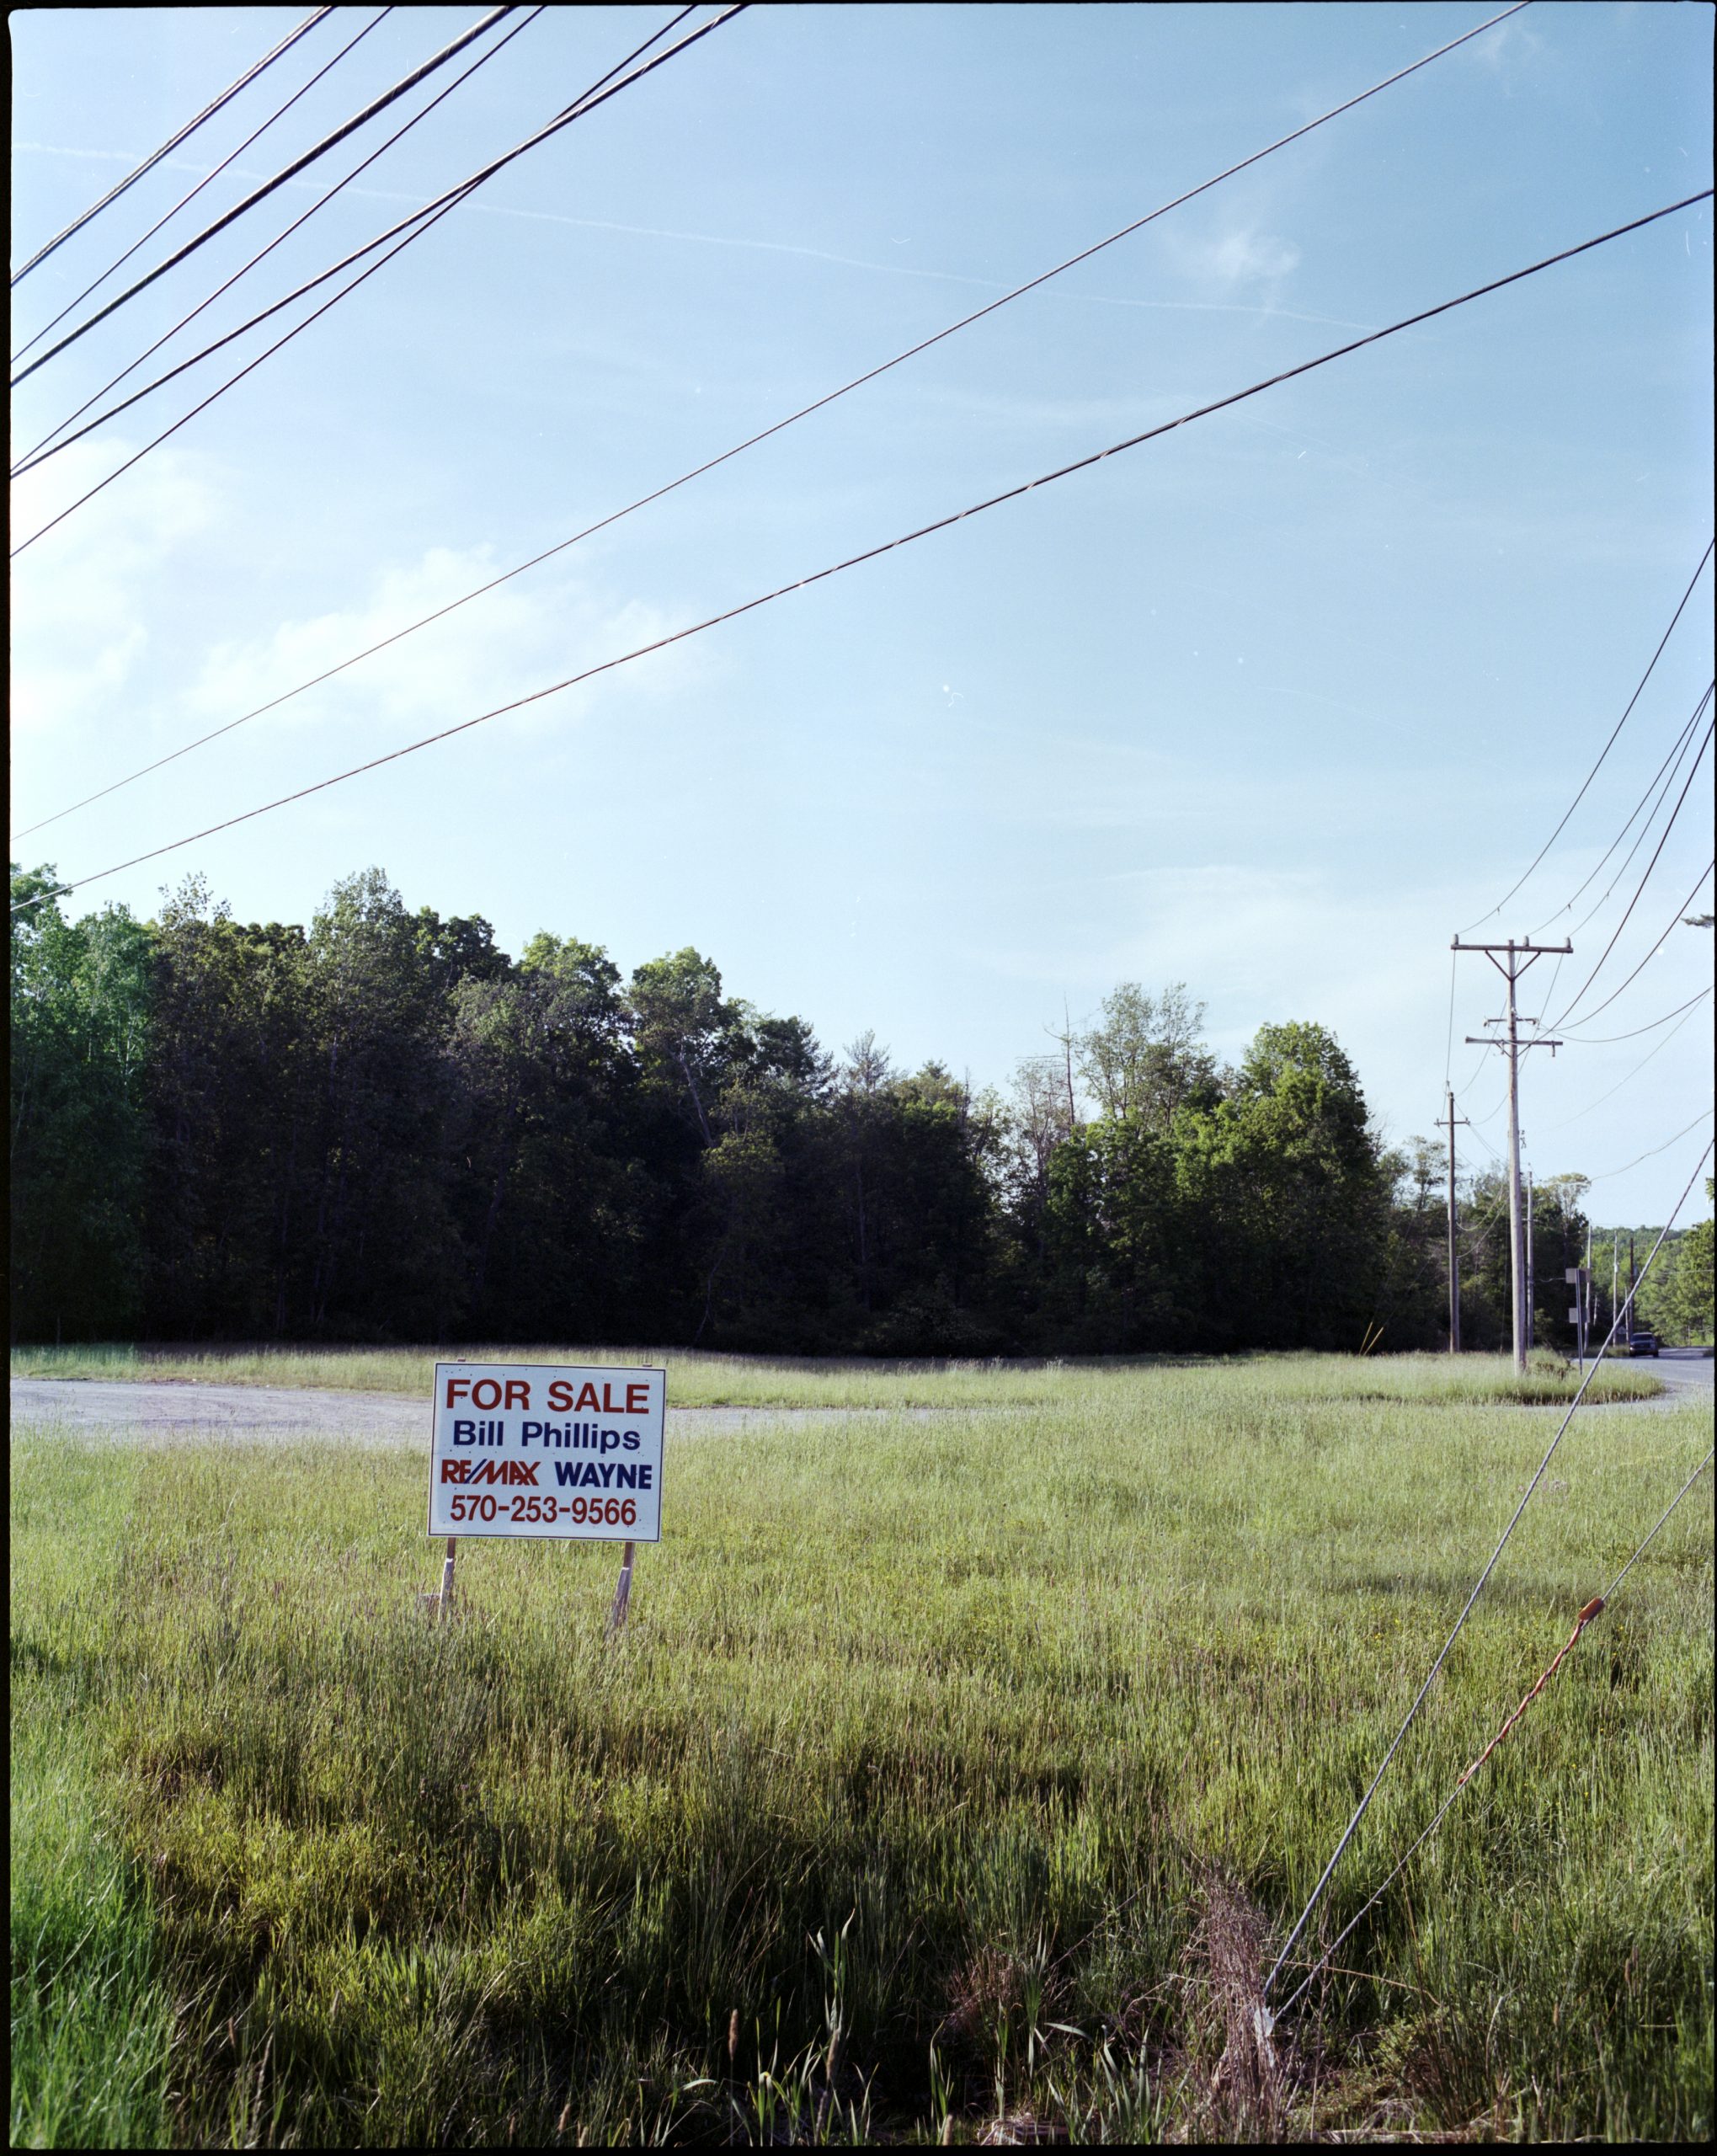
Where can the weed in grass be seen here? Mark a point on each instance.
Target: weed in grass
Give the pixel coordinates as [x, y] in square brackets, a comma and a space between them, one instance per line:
[895, 1811]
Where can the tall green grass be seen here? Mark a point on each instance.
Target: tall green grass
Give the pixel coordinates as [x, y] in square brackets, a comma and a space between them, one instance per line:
[900, 1804]
[696, 1380]
[92, 2015]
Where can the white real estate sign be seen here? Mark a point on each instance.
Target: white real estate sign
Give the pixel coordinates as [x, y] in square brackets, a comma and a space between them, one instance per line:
[541, 1448]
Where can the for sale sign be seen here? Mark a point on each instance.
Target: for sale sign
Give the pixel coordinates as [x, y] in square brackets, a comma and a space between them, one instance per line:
[538, 1448]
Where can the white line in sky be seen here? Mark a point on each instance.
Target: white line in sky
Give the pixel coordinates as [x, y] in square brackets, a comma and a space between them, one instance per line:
[755, 246]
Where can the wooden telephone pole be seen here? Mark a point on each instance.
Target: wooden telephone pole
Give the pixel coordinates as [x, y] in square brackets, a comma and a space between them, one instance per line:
[1514, 959]
[1454, 1262]
[1531, 1303]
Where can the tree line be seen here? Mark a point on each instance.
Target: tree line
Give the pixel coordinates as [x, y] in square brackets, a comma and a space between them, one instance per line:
[381, 1127]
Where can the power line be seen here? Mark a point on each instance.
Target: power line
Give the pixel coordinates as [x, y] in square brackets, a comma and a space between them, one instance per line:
[1653, 1154]
[1579, 1113]
[1675, 922]
[804, 412]
[424, 222]
[422, 218]
[1607, 745]
[1657, 854]
[1085, 255]
[1661, 780]
[377, 104]
[40, 453]
[1449, 1047]
[172, 142]
[1364, 1804]
[1605, 1040]
[1641, 1551]
[1448, 1801]
[923, 531]
[278, 112]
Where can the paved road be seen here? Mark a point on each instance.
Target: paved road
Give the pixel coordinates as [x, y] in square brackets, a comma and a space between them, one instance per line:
[164, 1412]
[281, 1411]
[1687, 1376]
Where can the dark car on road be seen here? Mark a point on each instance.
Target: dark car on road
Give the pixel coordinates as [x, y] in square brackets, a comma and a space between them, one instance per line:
[1642, 1343]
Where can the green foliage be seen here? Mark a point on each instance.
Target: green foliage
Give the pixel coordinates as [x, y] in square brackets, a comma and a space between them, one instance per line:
[1676, 1299]
[381, 1127]
[81, 1003]
[901, 1798]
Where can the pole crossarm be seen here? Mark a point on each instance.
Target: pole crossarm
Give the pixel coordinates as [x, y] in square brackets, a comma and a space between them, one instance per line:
[1538, 950]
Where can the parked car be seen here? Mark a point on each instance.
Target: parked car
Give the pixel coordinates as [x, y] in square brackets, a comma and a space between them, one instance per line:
[1642, 1343]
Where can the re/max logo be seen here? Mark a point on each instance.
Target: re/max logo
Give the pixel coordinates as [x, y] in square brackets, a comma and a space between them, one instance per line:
[513, 1473]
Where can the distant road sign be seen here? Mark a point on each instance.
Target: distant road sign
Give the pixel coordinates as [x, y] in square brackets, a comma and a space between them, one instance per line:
[533, 1450]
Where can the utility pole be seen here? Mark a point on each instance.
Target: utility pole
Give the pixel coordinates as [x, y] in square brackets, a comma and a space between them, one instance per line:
[1531, 1308]
[1630, 1281]
[1515, 959]
[1454, 1260]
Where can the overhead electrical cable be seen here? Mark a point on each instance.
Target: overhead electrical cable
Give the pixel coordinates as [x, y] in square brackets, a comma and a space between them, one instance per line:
[1606, 1173]
[924, 345]
[357, 120]
[1478, 1585]
[1604, 751]
[1593, 911]
[40, 453]
[1608, 1040]
[423, 218]
[172, 142]
[906, 539]
[779, 426]
[1449, 1047]
[420, 219]
[1085, 255]
[1677, 919]
[1444, 1809]
[587, 104]
[1579, 1113]
[208, 178]
[1660, 783]
[1640, 889]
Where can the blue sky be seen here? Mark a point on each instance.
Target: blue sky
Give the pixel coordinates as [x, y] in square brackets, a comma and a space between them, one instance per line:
[1272, 706]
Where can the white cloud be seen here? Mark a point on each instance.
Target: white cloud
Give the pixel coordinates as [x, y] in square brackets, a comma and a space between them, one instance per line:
[507, 644]
[81, 597]
[1511, 46]
[1241, 255]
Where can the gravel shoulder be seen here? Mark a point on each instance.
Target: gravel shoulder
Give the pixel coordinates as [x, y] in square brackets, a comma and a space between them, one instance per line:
[143, 1412]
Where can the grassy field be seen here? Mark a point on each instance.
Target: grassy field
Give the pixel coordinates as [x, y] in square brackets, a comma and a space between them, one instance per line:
[696, 1381]
[943, 1787]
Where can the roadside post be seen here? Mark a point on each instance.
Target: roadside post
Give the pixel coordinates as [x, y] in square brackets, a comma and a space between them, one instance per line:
[547, 1452]
[1579, 1279]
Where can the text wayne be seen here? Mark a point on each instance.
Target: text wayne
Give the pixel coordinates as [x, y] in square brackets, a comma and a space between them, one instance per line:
[492, 1430]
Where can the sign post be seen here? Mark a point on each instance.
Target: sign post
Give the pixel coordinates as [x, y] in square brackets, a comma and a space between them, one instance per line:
[1578, 1279]
[622, 1591]
[537, 1451]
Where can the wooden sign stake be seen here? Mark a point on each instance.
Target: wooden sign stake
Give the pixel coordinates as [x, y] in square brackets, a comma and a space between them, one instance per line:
[622, 1592]
[446, 1595]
